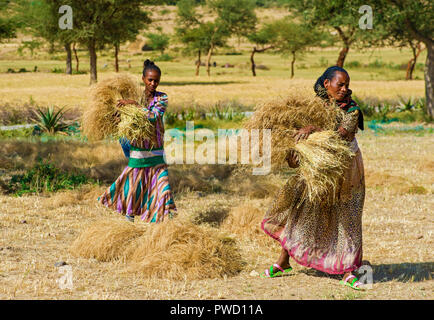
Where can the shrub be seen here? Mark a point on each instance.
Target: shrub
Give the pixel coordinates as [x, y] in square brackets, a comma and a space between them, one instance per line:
[164, 57]
[57, 70]
[44, 177]
[377, 64]
[353, 64]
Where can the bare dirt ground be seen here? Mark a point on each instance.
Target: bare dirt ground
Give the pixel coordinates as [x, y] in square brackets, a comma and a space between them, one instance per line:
[37, 231]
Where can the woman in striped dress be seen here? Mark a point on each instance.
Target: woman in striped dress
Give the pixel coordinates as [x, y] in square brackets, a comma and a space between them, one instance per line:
[143, 188]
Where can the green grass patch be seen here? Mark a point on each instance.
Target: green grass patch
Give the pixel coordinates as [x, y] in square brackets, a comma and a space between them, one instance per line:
[17, 133]
[45, 177]
[417, 190]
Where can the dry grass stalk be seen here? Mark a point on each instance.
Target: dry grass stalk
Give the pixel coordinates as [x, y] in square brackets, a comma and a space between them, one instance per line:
[323, 157]
[285, 116]
[180, 249]
[135, 125]
[105, 240]
[175, 249]
[100, 118]
[244, 221]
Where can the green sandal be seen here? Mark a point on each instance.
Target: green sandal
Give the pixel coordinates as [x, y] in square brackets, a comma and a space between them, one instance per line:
[355, 284]
[270, 274]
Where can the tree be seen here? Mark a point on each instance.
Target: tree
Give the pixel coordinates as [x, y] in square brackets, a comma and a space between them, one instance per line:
[294, 39]
[198, 36]
[105, 22]
[195, 41]
[216, 36]
[341, 15]
[236, 16]
[30, 45]
[264, 39]
[158, 41]
[125, 25]
[40, 18]
[8, 23]
[416, 48]
[233, 17]
[412, 20]
[77, 63]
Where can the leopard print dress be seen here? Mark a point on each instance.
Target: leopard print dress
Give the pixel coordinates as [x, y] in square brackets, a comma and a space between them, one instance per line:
[327, 237]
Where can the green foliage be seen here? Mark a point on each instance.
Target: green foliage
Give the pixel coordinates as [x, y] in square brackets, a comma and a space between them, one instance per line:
[405, 110]
[353, 64]
[236, 16]
[19, 133]
[265, 35]
[195, 34]
[158, 41]
[29, 45]
[20, 70]
[8, 22]
[293, 39]
[187, 16]
[57, 70]
[50, 121]
[163, 57]
[368, 110]
[170, 117]
[45, 177]
[405, 19]
[339, 18]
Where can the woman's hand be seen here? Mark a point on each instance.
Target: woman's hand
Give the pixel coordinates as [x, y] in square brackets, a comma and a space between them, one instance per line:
[304, 133]
[345, 134]
[123, 102]
[292, 159]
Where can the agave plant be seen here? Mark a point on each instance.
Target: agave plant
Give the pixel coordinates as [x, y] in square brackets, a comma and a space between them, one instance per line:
[406, 105]
[50, 121]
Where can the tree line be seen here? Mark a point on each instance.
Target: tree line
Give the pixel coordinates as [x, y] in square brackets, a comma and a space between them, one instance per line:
[102, 24]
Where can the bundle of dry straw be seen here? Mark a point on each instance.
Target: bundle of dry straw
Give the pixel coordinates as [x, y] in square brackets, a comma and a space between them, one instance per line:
[135, 125]
[175, 249]
[323, 156]
[101, 117]
[284, 116]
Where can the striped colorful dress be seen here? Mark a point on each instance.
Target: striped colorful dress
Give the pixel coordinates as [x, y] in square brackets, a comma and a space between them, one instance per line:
[143, 187]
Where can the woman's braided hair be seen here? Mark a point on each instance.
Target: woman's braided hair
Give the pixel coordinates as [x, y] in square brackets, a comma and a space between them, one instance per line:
[319, 88]
[150, 65]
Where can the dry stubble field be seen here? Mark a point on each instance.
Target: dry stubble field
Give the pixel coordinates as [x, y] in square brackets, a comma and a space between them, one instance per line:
[37, 231]
[397, 229]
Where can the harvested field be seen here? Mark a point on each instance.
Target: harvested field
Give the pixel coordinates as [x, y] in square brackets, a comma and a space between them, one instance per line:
[38, 231]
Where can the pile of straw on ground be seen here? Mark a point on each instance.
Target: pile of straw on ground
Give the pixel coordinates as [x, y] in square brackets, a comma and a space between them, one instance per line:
[106, 240]
[322, 157]
[174, 249]
[180, 249]
[101, 117]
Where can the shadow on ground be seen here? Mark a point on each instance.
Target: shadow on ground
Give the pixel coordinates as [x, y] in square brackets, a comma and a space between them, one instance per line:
[402, 272]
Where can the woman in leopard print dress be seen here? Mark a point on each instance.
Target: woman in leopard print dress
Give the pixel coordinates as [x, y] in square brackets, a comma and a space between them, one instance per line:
[319, 235]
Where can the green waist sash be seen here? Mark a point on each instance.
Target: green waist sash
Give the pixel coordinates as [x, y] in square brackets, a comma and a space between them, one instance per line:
[142, 158]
